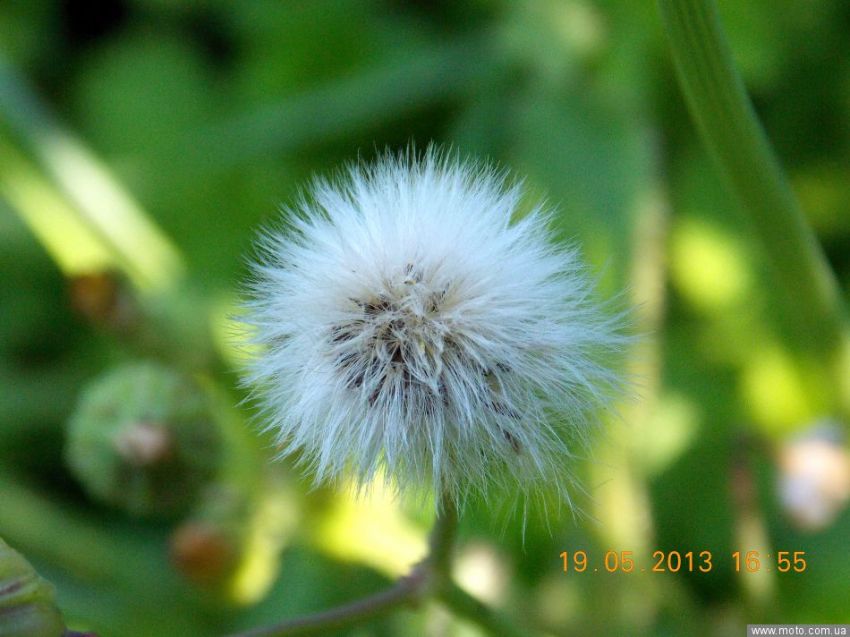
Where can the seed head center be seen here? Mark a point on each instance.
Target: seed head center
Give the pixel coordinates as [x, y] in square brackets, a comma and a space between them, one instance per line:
[396, 337]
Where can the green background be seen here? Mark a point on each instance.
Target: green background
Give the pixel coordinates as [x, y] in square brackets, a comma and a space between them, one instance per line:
[207, 116]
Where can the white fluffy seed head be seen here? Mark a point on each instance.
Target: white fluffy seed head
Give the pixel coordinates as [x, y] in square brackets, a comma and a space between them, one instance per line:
[412, 327]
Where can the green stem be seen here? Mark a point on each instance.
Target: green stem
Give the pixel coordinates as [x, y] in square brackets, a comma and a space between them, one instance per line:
[442, 540]
[465, 605]
[430, 578]
[405, 591]
[729, 127]
[455, 598]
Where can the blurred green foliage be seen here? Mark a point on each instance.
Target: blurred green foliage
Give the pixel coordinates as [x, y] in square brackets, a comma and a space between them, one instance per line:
[131, 128]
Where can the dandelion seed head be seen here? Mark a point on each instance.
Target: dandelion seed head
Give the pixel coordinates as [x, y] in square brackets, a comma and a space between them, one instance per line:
[412, 326]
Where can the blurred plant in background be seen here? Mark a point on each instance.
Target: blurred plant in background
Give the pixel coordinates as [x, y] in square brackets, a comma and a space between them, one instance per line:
[141, 142]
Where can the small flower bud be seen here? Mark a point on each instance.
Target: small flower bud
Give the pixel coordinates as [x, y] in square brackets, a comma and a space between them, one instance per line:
[205, 548]
[143, 439]
[203, 552]
[27, 602]
[104, 298]
[231, 543]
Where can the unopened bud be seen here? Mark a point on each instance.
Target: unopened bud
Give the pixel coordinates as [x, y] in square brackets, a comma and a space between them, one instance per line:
[206, 548]
[103, 298]
[143, 439]
[203, 552]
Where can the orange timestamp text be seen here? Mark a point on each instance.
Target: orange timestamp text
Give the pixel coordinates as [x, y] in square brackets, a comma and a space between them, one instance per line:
[683, 561]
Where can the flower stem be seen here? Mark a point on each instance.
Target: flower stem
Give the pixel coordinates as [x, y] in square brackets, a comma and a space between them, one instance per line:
[455, 598]
[730, 128]
[442, 540]
[429, 578]
[465, 605]
[406, 591]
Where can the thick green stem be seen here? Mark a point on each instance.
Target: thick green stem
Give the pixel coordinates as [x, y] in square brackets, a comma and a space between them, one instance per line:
[718, 102]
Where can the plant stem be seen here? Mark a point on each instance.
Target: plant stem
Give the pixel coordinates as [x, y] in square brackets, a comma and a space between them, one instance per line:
[465, 605]
[730, 128]
[429, 578]
[406, 591]
[442, 540]
[455, 598]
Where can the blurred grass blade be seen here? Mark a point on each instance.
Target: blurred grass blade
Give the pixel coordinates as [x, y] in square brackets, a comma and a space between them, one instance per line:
[419, 79]
[113, 218]
[730, 128]
[719, 104]
[78, 545]
[65, 236]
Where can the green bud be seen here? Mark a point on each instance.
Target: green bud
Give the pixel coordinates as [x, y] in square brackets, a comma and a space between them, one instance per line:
[143, 439]
[27, 602]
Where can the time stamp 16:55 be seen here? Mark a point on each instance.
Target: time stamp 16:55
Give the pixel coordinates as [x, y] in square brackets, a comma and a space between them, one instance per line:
[684, 561]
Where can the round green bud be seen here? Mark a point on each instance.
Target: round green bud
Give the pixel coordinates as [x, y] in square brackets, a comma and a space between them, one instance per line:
[27, 602]
[143, 439]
